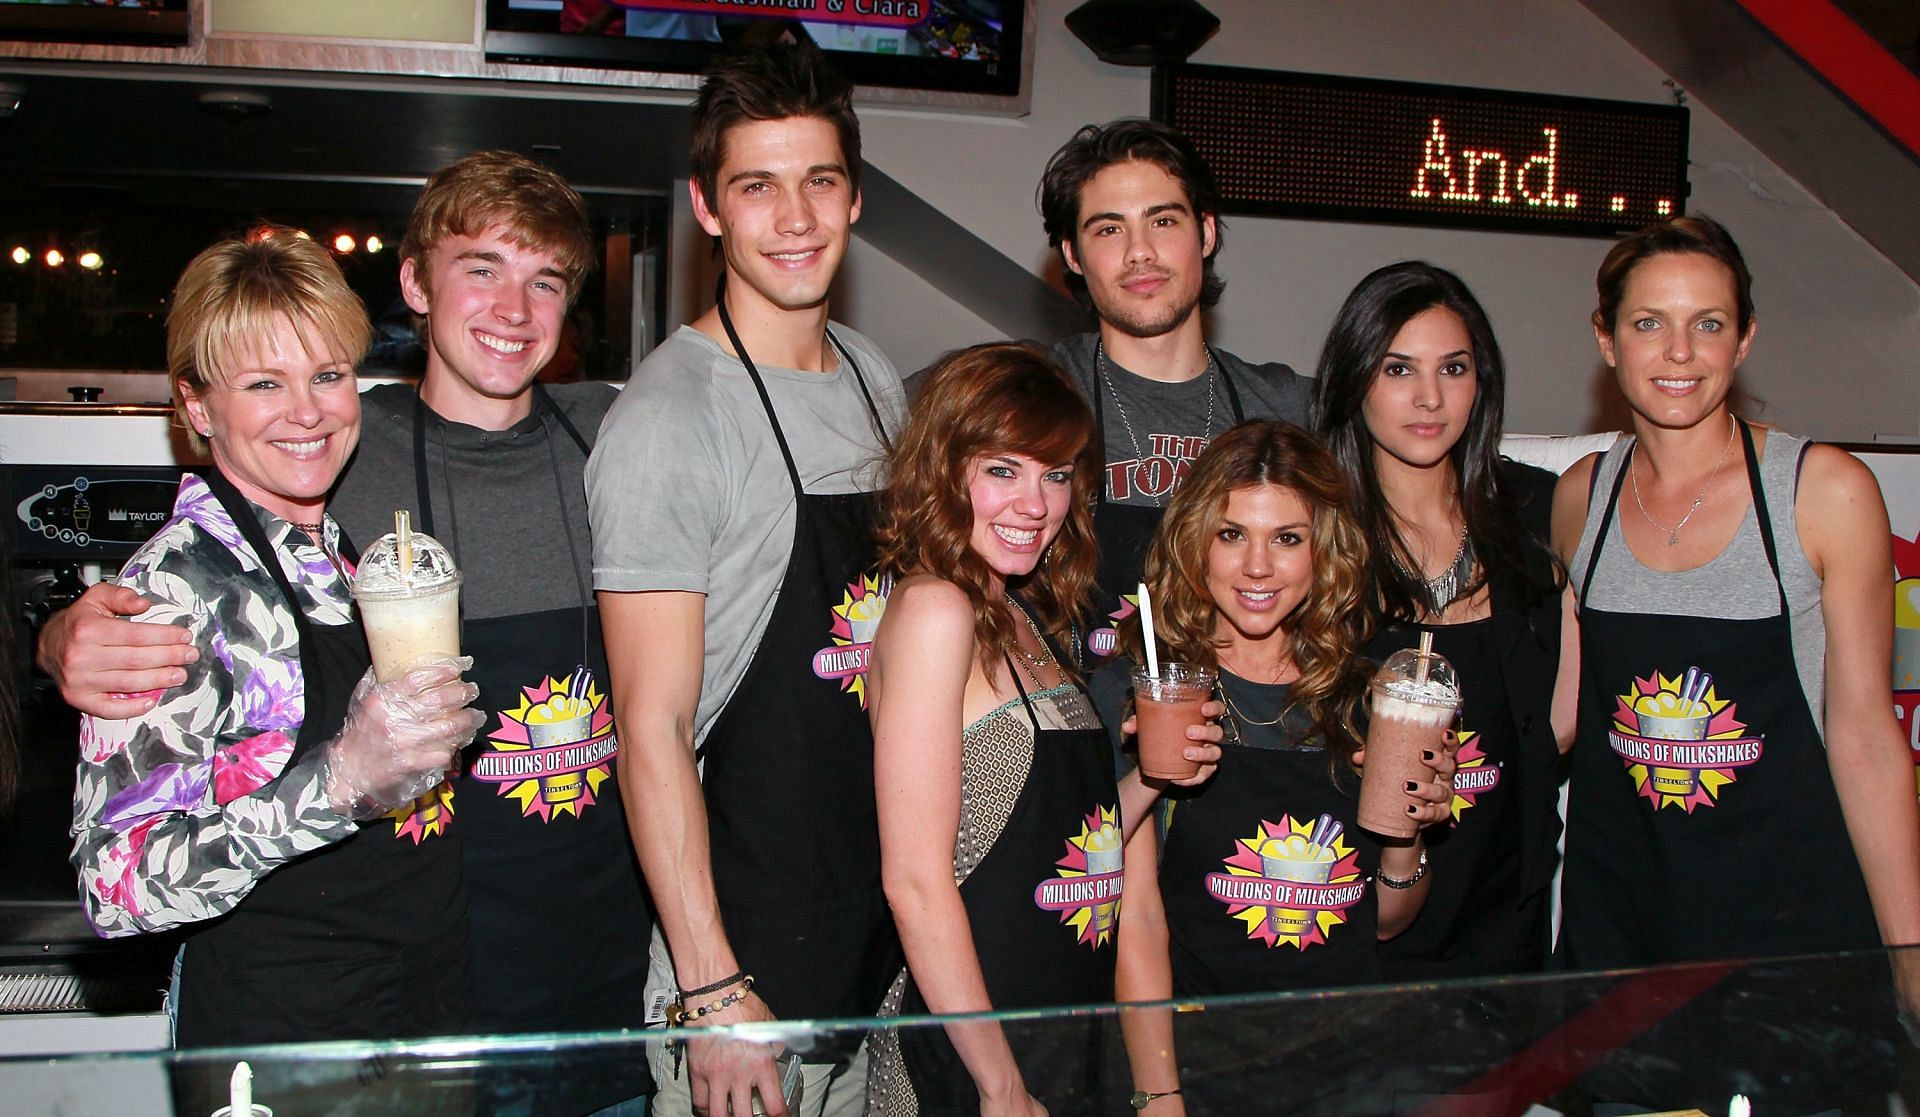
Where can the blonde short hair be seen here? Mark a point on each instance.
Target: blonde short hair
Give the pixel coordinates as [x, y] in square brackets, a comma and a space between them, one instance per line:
[231, 295]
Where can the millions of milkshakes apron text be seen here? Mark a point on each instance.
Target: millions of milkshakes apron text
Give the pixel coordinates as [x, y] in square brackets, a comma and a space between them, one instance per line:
[850, 629]
[1682, 742]
[1290, 882]
[1085, 887]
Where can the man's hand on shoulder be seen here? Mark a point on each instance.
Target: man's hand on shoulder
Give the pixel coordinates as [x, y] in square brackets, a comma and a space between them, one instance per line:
[106, 665]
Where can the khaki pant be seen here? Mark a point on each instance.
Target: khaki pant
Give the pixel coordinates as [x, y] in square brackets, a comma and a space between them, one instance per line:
[825, 1094]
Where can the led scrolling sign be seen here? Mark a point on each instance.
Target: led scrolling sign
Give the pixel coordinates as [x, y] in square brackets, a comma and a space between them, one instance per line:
[1308, 145]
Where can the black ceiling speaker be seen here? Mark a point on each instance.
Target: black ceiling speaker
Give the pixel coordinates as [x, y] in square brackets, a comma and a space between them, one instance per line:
[1142, 32]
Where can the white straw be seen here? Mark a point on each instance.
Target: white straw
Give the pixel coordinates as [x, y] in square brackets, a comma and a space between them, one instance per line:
[1146, 631]
[403, 538]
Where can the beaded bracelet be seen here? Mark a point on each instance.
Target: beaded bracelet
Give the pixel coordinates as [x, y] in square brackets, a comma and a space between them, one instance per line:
[1397, 883]
[679, 1016]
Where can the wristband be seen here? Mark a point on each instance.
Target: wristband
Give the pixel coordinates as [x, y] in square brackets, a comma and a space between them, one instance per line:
[715, 987]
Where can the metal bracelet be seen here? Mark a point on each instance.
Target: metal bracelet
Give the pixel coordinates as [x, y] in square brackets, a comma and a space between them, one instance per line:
[1419, 874]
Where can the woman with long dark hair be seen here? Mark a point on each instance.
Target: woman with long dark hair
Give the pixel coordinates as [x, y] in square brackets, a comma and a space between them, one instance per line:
[988, 757]
[1259, 571]
[1410, 397]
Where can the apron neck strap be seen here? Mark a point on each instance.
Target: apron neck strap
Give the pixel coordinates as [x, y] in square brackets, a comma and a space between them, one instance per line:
[240, 510]
[1761, 515]
[766, 400]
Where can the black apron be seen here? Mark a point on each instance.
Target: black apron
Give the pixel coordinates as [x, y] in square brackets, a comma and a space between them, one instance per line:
[1733, 846]
[1042, 928]
[1240, 922]
[1681, 848]
[791, 820]
[1478, 919]
[363, 939]
[557, 902]
[1124, 532]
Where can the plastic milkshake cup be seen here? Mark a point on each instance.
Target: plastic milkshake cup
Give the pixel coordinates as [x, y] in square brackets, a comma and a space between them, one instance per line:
[411, 612]
[1415, 698]
[1164, 705]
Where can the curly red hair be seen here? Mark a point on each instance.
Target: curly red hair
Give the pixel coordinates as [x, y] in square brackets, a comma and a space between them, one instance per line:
[1002, 397]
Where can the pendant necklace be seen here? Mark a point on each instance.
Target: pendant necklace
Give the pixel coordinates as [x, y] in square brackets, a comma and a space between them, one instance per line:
[1673, 533]
[1206, 430]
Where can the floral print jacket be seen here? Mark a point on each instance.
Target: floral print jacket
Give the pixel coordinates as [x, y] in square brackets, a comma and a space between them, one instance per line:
[178, 812]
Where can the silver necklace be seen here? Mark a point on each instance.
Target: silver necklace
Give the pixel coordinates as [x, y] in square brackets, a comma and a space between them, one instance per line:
[1673, 533]
[1443, 588]
[1206, 431]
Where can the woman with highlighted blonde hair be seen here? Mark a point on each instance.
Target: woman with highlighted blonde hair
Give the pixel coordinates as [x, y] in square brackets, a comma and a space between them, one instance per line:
[988, 757]
[1260, 572]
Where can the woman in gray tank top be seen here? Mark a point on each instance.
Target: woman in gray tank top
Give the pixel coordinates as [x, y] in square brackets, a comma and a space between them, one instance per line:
[1724, 749]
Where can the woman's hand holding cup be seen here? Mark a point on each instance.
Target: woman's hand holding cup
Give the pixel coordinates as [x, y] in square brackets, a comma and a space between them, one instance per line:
[400, 737]
[1203, 744]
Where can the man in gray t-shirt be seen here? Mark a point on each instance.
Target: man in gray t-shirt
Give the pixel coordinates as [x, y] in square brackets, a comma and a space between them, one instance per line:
[728, 492]
[1133, 210]
[689, 493]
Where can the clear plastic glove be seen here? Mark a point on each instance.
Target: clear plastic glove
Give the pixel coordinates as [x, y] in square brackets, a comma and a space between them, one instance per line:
[400, 738]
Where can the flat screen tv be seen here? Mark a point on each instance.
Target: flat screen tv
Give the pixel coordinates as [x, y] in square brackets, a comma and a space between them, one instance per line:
[135, 22]
[963, 46]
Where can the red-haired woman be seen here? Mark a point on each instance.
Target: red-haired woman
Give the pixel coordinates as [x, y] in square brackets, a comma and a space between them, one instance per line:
[989, 759]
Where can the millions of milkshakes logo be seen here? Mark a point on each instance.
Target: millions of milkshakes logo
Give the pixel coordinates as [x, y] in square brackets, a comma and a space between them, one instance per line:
[1290, 882]
[1085, 887]
[1101, 641]
[1472, 775]
[425, 817]
[1906, 641]
[554, 749]
[854, 621]
[1680, 740]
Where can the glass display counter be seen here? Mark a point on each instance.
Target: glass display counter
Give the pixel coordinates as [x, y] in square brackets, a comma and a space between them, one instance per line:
[1795, 1036]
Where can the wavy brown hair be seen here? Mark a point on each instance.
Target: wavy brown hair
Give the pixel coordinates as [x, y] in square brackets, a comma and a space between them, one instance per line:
[1002, 397]
[1327, 628]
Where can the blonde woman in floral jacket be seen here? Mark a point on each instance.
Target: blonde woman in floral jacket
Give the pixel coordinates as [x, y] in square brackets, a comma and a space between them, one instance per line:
[278, 803]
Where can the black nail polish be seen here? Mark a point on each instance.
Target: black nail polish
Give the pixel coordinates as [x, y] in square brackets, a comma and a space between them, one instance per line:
[1410, 808]
[1426, 754]
[1412, 786]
